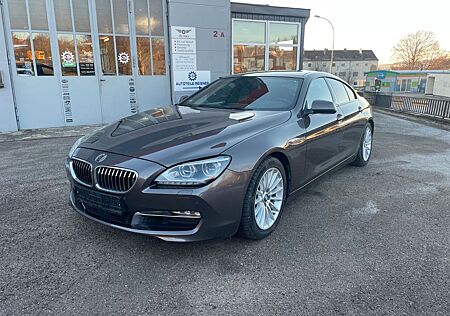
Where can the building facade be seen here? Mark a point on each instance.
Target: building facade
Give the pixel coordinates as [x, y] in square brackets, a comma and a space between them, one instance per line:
[82, 62]
[349, 65]
[413, 81]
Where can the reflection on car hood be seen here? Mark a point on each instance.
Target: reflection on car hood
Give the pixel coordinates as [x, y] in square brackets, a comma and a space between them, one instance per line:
[174, 134]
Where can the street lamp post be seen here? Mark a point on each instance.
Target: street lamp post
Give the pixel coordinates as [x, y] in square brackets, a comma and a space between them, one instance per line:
[332, 45]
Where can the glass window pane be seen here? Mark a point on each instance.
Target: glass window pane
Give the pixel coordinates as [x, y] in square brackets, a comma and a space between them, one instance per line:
[43, 54]
[339, 91]
[248, 58]
[141, 15]
[318, 90]
[282, 58]
[23, 53]
[107, 56]
[63, 15]
[158, 56]
[18, 14]
[104, 20]
[143, 52]
[156, 18]
[85, 55]
[81, 16]
[249, 32]
[38, 14]
[120, 16]
[282, 33]
[67, 54]
[123, 55]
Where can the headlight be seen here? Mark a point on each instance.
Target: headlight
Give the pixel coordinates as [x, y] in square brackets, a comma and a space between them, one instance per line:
[76, 144]
[194, 173]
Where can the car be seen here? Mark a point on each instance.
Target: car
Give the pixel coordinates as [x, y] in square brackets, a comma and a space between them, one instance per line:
[222, 161]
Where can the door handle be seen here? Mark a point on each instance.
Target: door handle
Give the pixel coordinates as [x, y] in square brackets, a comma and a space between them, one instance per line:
[102, 80]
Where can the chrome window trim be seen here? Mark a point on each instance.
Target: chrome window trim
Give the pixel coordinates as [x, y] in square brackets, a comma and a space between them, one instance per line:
[97, 186]
[74, 176]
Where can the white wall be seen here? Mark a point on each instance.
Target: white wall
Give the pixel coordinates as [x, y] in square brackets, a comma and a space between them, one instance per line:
[441, 85]
[7, 113]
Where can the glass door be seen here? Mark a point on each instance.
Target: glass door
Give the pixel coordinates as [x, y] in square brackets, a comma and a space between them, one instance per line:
[29, 40]
[116, 59]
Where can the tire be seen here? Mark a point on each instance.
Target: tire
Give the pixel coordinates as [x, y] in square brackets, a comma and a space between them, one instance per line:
[362, 158]
[250, 226]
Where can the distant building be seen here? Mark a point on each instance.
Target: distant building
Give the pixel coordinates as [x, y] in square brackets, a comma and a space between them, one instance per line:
[350, 65]
[413, 81]
[438, 84]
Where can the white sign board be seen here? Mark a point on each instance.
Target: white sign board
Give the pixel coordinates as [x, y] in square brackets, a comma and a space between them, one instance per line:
[191, 80]
[184, 48]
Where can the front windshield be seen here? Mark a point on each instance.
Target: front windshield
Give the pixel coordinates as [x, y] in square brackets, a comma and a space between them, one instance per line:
[248, 93]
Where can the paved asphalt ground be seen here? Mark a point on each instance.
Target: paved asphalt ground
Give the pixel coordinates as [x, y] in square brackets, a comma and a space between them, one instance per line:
[362, 241]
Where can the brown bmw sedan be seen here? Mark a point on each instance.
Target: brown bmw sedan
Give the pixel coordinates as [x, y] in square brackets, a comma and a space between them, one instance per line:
[222, 161]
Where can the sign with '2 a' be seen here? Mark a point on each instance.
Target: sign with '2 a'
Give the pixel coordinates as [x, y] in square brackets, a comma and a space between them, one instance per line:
[191, 80]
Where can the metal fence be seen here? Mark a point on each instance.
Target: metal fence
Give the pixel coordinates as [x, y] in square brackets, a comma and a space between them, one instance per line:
[429, 106]
[416, 104]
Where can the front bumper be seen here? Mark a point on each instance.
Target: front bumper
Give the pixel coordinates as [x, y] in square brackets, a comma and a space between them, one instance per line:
[219, 203]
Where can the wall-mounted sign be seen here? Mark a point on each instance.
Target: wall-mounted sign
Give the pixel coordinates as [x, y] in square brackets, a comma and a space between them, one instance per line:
[67, 103]
[191, 80]
[184, 48]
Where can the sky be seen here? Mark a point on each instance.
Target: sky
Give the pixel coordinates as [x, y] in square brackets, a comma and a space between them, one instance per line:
[376, 25]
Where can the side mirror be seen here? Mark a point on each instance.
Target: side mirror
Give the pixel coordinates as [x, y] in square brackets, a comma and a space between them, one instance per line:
[183, 98]
[321, 107]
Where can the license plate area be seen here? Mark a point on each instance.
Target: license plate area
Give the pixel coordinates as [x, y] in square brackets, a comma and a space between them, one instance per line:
[106, 203]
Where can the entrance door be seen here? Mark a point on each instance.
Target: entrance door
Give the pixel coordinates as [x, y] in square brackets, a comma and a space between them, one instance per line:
[132, 56]
[81, 62]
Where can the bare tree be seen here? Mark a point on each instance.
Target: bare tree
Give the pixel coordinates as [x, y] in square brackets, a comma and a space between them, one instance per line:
[419, 50]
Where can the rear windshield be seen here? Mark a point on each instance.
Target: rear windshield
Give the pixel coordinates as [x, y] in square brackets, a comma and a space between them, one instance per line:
[248, 93]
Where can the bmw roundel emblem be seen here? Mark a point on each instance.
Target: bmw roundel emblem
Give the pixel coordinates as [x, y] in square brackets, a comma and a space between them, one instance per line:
[101, 157]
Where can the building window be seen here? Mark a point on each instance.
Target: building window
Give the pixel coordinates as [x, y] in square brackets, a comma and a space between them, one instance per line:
[355, 74]
[334, 65]
[343, 64]
[31, 38]
[342, 74]
[74, 37]
[149, 37]
[309, 64]
[255, 42]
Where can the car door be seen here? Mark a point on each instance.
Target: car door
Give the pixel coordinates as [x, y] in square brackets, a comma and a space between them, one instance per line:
[323, 136]
[352, 121]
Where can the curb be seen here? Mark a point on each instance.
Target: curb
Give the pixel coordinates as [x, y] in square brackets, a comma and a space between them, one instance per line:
[417, 118]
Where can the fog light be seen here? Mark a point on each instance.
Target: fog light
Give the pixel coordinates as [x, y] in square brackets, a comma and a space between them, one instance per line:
[187, 214]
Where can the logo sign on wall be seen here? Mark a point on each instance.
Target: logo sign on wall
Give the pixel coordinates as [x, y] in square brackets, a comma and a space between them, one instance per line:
[184, 48]
[191, 80]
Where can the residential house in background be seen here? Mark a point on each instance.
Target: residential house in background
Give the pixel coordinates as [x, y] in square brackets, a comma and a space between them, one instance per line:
[350, 65]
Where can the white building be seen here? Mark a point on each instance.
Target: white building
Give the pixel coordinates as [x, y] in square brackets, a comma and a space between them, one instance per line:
[350, 65]
[82, 62]
[438, 84]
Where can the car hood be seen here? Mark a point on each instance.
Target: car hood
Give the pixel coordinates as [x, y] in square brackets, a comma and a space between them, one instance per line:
[174, 134]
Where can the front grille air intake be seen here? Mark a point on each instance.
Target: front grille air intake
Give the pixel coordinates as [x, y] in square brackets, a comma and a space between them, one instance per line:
[82, 171]
[115, 179]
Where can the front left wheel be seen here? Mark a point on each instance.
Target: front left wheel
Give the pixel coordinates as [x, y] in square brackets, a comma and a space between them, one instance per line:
[264, 200]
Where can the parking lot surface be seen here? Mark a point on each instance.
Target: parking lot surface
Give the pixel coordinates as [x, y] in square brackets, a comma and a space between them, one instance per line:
[373, 240]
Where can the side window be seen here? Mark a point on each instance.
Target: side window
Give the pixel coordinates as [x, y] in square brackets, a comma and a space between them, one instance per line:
[339, 91]
[318, 90]
[350, 93]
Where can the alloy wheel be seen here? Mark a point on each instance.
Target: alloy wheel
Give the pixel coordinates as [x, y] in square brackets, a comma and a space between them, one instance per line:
[367, 144]
[269, 198]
